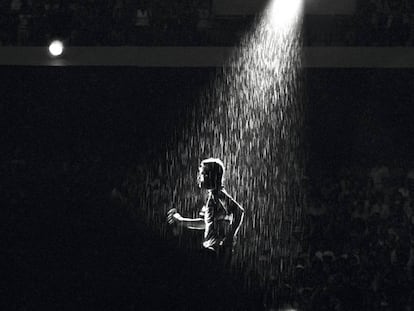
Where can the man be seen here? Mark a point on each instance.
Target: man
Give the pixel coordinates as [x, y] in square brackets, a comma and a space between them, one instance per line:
[220, 218]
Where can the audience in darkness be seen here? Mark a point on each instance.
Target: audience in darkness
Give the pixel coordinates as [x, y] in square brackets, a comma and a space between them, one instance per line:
[188, 22]
[360, 234]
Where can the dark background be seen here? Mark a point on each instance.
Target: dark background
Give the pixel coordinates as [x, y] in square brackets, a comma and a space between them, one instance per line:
[69, 136]
[359, 117]
[51, 113]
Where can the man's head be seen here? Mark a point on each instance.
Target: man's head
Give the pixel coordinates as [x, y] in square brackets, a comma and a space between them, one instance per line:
[210, 174]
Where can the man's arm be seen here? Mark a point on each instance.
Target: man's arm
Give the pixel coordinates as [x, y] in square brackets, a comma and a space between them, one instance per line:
[238, 215]
[189, 223]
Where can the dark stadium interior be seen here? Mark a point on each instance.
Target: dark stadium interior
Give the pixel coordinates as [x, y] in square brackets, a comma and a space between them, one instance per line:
[72, 234]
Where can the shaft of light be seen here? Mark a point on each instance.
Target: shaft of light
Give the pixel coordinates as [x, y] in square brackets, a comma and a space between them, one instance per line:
[251, 117]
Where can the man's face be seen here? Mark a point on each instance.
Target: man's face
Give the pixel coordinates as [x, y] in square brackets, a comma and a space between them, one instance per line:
[202, 178]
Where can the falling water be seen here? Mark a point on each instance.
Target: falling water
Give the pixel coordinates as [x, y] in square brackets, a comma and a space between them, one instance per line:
[251, 117]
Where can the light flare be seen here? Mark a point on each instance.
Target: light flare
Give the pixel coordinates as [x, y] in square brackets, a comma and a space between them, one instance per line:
[56, 48]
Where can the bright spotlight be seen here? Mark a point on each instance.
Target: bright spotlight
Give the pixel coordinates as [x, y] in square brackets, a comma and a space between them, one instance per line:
[283, 13]
[56, 48]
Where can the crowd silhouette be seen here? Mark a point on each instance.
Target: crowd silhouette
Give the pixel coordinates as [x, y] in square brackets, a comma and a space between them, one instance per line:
[189, 22]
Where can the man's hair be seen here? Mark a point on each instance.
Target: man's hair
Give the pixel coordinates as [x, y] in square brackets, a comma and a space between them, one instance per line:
[215, 168]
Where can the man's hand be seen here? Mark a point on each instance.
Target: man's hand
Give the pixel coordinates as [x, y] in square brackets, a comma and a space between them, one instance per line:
[173, 217]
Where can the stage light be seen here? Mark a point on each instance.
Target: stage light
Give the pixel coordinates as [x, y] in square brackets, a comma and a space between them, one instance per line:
[56, 48]
[283, 13]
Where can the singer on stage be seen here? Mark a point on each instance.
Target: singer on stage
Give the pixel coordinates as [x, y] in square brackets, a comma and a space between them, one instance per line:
[221, 216]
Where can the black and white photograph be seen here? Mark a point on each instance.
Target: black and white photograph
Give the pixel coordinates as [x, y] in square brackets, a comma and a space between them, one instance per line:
[207, 155]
